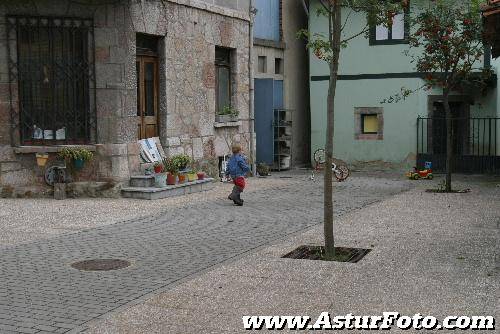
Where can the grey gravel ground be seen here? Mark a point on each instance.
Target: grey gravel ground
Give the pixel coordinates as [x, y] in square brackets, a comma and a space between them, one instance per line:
[177, 239]
[434, 254]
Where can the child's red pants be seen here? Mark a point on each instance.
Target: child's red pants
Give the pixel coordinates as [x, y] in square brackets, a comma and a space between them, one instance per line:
[239, 182]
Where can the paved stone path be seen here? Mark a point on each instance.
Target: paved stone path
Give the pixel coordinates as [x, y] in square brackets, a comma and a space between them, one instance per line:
[41, 293]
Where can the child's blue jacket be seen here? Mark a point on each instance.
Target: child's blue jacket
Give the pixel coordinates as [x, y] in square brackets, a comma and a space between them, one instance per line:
[237, 166]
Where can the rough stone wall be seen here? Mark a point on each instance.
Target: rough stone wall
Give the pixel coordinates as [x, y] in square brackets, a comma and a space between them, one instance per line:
[192, 36]
[187, 63]
[189, 30]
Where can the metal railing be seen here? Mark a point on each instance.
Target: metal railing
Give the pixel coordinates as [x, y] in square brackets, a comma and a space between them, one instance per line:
[475, 143]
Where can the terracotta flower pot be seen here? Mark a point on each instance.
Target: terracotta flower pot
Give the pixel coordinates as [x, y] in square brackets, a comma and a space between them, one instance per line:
[182, 178]
[171, 179]
[201, 175]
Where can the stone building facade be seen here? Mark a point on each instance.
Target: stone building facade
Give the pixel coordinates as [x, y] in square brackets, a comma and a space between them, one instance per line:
[186, 34]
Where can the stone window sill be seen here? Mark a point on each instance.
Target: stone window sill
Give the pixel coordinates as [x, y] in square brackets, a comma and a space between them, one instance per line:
[366, 136]
[49, 149]
[227, 124]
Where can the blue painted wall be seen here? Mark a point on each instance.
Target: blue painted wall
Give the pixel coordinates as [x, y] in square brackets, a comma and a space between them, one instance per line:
[267, 20]
[264, 102]
[278, 94]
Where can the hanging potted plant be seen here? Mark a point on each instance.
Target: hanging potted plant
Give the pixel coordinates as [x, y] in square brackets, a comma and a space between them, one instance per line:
[41, 159]
[77, 156]
[172, 168]
[160, 175]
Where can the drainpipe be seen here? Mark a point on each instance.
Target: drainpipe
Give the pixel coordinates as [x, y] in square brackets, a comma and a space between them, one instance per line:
[306, 10]
[253, 155]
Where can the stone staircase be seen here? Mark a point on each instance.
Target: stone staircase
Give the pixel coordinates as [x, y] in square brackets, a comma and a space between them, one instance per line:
[143, 187]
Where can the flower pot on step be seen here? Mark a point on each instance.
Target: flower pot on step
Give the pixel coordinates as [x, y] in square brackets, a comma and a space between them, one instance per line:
[160, 180]
[182, 178]
[171, 179]
[192, 177]
[201, 175]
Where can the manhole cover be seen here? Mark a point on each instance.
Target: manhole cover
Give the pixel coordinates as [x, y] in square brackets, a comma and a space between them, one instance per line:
[101, 265]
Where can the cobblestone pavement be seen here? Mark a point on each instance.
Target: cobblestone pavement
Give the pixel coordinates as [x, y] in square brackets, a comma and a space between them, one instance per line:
[41, 293]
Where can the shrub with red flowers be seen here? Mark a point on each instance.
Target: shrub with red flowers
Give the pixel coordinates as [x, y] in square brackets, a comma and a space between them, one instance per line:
[447, 41]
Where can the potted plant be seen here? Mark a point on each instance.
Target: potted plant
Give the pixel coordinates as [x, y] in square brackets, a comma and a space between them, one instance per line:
[228, 114]
[263, 169]
[158, 167]
[77, 155]
[160, 175]
[192, 176]
[201, 175]
[41, 159]
[182, 161]
[172, 168]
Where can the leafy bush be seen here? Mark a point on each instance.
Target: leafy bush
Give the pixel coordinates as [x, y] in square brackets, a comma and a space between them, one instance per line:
[170, 165]
[69, 153]
[182, 160]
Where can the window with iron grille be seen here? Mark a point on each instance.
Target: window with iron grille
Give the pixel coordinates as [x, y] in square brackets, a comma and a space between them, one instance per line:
[53, 65]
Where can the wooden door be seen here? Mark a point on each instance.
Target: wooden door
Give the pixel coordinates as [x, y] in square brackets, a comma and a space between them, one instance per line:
[147, 96]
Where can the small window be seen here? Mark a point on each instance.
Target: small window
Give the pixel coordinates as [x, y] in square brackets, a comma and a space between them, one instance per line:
[262, 64]
[397, 33]
[369, 124]
[223, 78]
[278, 66]
[146, 44]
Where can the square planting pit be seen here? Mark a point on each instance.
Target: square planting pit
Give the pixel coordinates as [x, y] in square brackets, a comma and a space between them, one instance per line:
[342, 254]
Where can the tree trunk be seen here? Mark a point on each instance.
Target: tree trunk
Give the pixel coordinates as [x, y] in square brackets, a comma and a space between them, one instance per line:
[334, 38]
[449, 139]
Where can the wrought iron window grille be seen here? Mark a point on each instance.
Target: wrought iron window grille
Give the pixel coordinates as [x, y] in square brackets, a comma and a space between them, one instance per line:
[52, 80]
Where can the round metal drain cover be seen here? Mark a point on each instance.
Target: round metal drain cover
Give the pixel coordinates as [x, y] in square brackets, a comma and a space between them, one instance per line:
[101, 265]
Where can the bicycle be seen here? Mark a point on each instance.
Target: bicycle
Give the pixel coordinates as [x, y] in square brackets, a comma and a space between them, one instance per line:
[341, 171]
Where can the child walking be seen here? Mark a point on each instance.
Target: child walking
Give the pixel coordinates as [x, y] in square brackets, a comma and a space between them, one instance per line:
[237, 168]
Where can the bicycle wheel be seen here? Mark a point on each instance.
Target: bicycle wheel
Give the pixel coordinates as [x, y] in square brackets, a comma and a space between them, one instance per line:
[339, 174]
[319, 156]
[345, 172]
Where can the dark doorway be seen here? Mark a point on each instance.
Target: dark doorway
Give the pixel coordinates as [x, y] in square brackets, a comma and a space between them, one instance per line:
[459, 128]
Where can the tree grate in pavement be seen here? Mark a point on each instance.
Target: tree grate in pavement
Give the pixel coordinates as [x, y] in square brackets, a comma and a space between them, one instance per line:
[342, 254]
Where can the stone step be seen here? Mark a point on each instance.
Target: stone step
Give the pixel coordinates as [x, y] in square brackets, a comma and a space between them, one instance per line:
[142, 181]
[152, 193]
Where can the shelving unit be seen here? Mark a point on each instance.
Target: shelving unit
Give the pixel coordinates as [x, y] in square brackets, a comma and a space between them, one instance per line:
[282, 126]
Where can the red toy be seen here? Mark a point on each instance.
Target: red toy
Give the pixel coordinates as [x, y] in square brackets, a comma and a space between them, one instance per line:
[420, 174]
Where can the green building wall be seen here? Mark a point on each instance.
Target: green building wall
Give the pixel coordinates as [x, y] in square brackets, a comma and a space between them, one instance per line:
[399, 143]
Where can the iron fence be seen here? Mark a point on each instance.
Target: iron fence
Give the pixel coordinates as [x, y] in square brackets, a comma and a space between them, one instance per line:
[475, 144]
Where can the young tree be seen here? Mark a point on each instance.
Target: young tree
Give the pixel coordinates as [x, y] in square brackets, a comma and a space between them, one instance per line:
[328, 47]
[447, 39]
